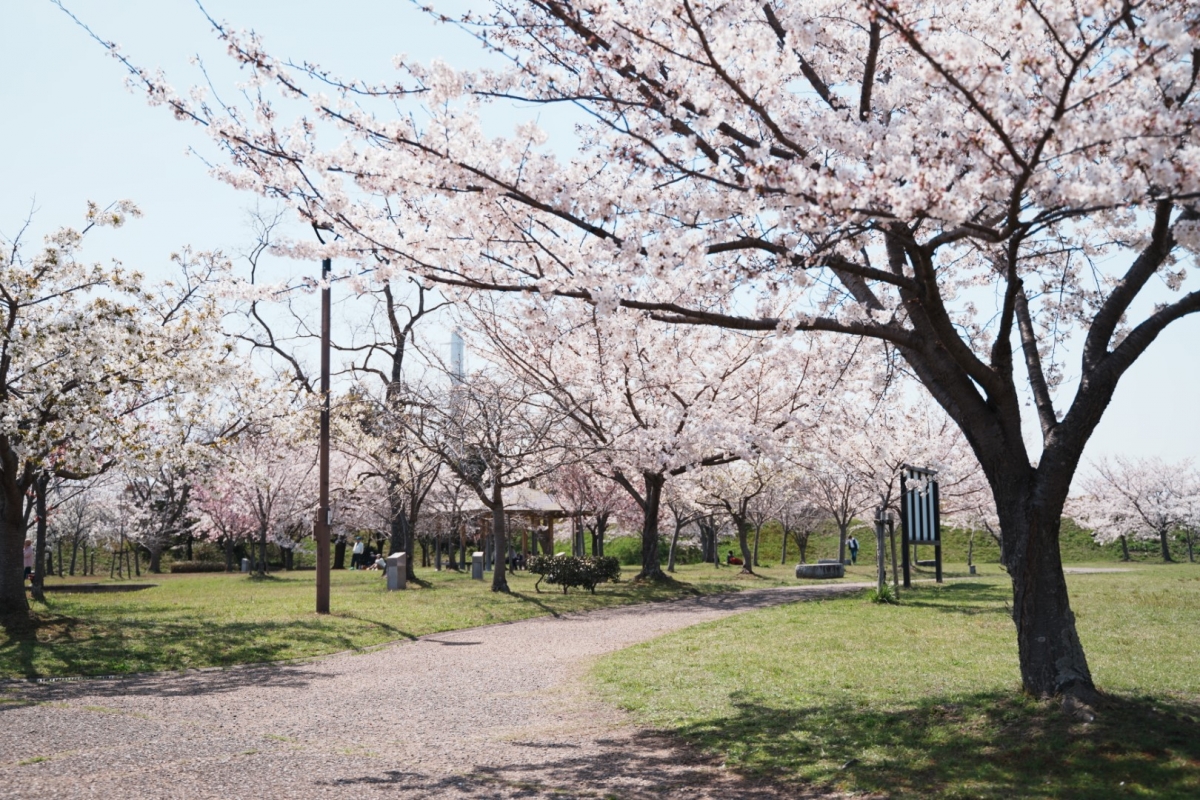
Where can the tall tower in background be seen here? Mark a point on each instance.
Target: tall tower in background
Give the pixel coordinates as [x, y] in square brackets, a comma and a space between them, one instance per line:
[456, 358]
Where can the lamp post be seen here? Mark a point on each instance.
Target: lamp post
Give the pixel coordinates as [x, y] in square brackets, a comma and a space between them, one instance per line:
[321, 528]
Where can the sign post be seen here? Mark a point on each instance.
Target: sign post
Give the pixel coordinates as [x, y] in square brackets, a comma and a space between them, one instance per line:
[920, 517]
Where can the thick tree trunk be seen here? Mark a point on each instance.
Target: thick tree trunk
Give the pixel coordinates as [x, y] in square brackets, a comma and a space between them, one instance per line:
[155, 561]
[653, 483]
[229, 554]
[339, 553]
[843, 534]
[1051, 656]
[500, 540]
[74, 556]
[757, 536]
[1164, 541]
[1124, 548]
[802, 543]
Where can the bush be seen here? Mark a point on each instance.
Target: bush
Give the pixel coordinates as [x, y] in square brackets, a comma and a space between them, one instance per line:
[198, 566]
[567, 571]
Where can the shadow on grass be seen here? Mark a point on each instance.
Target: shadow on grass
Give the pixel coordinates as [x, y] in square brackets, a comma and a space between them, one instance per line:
[987, 745]
[967, 598]
[51, 645]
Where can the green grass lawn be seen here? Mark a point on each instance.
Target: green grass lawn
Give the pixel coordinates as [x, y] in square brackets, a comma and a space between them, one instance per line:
[922, 699]
[207, 619]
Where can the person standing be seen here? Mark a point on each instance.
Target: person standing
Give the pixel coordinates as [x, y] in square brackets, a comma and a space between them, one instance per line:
[852, 546]
[28, 554]
[356, 557]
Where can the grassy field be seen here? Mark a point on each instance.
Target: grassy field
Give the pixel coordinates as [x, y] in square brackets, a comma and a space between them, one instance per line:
[218, 619]
[922, 699]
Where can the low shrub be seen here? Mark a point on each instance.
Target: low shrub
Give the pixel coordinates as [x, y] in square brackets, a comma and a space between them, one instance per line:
[567, 571]
[198, 566]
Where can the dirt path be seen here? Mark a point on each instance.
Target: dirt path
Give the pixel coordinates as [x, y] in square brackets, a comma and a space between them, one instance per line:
[495, 712]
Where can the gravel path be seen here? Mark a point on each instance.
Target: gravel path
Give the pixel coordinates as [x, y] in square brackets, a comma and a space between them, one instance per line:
[494, 712]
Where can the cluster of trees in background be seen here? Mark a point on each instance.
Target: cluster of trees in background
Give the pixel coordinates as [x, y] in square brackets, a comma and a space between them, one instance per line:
[678, 436]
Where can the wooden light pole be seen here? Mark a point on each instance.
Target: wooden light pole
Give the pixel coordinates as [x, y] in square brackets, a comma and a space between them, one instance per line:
[321, 528]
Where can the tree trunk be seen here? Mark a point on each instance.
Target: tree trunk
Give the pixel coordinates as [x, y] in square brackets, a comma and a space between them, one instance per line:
[598, 533]
[783, 558]
[757, 536]
[339, 553]
[155, 561]
[228, 553]
[674, 544]
[500, 541]
[59, 556]
[1124, 548]
[651, 569]
[1165, 542]
[802, 543]
[843, 534]
[262, 550]
[743, 537]
[39, 546]
[1051, 656]
[75, 555]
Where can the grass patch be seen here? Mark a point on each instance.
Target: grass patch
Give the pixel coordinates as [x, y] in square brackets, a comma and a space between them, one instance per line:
[206, 620]
[922, 699]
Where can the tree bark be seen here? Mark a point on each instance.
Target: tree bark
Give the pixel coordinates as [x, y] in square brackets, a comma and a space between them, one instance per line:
[500, 540]
[262, 550]
[757, 536]
[39, 547]
[1164, 541]
[339, 553]
[743, 536]
[1124, 548]
[653, 483]
[674, 544]
[1052, 660]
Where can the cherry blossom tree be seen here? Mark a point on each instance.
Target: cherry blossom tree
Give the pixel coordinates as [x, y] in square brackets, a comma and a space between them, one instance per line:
[89, 354]
[735, 489]
[1143, 498]
[493, 432]
[655, 401]
[594, 500]
[977, 187]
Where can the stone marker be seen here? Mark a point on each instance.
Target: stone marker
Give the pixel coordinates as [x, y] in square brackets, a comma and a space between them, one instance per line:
[396, 568]
[825, 568]
[477, 565]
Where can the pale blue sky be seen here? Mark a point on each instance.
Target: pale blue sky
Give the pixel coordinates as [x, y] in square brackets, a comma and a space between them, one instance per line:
[72, 132]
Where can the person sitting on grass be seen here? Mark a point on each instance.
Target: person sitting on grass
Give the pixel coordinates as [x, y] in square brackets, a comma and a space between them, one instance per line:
[733, 560]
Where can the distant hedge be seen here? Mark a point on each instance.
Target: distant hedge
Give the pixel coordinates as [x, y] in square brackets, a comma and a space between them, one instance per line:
[567, 571]
[198, 566]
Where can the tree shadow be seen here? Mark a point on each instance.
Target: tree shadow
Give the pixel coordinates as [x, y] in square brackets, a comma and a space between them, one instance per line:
[986, 745]
[643, 766]
[50, 645]
[533, 600]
